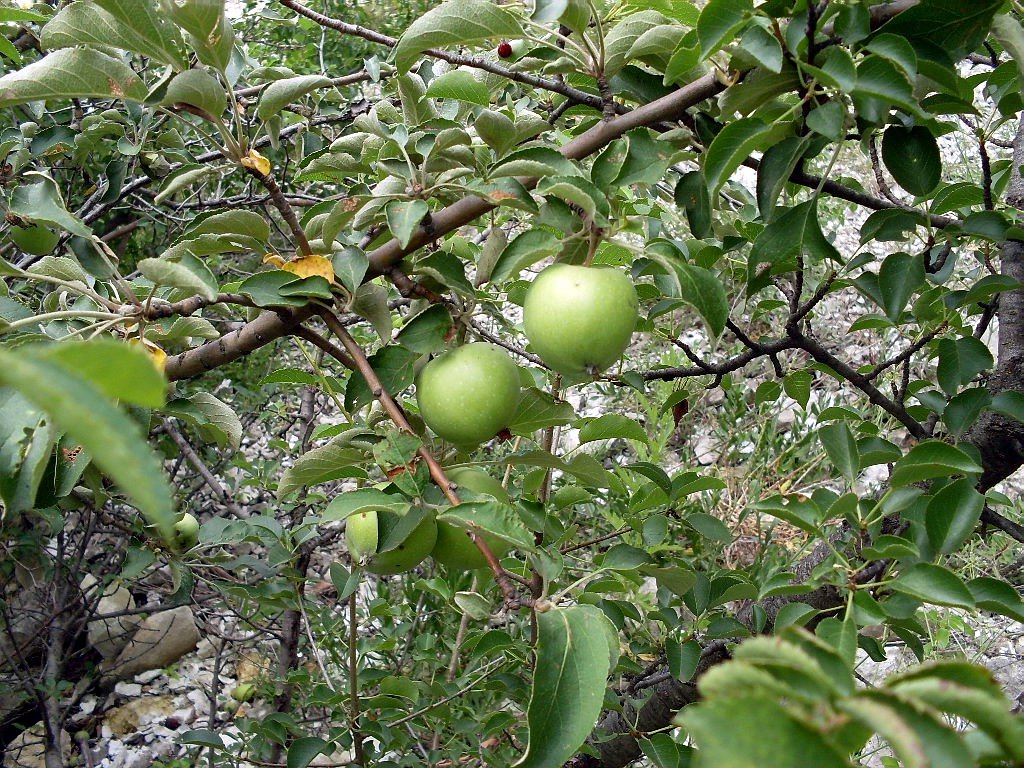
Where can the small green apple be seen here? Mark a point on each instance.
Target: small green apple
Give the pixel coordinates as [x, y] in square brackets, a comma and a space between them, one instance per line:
[468, 395]
[365, 530]
[243, 692]
[186, 531]
[580, 319]
[35, 239]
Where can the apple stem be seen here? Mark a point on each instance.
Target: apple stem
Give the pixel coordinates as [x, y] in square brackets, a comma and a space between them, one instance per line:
[362, 365]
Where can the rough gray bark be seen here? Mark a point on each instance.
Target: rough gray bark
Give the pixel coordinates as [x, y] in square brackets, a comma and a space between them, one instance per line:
[999, 439]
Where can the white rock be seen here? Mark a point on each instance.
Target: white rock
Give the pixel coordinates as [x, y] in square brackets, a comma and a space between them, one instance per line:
[128, 690]
[162, 639]
[144, 678]
[109, 636]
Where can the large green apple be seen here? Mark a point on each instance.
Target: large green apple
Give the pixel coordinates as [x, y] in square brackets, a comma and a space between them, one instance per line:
[580, 319]
[468, 395]
[365, 530]
[34, 239]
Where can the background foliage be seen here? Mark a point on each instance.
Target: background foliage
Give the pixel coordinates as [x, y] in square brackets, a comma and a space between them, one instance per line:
[231, 242]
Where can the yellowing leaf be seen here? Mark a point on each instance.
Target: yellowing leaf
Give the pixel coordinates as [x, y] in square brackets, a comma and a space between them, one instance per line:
[308, 266]
[257, 162]
[273, 258]
[156, 354]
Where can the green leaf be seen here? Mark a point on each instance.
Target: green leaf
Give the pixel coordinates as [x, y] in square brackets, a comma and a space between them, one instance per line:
[621, 38]
[932, 458]
[72, 72]
[219, 422]
[539, 410]
[578, 191]
[963, 409]
[404, 218]
[27, 438]
[575, 653]
[177, 275]
[497, 131]
[997, 596]
[494, 518]
[461, 86]
[682, 658]
[912, 157]
[952, 515]
[393, 366]
[1009, 404]
[880, 79]
[426, 331]
[527, 248]
[719, 21]
[198, 88]
[42, 202]
[945, 25]
[321, 465]
[934, 584]
[794, 232]
[763, 47]
[777, 165]
[692, 194]
[960, 360]
[302, 751]
[901, 274]
[841, 447]
[798, 386]
[701, 289]
[86, 415]
[460, 22]
[118, 370]
[733, 145]
[280, 93]
[264, 288]
[769, 735]
[535, 161]
[203, 738]
[664, 752]
[985, 708]
[132, 25]
[915, 734]
[610, 426]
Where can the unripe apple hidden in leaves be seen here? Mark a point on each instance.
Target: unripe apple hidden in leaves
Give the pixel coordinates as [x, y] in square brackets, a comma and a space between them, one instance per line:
[34, 238]
[186, 531]
[580, 319]
[468, 394]
[365, 530]
[454, 548]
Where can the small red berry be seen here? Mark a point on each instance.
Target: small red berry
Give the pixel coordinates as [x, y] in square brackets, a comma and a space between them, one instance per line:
[504, 49]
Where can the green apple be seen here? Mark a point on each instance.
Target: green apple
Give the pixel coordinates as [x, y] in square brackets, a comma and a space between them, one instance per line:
[455, 549]
[186, 531]
[34, 239]
[580, 319]
[468, 395]
[243, 692]
[365, 530]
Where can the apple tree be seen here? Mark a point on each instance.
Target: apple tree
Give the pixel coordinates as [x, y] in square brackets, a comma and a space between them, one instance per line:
[434, 349]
